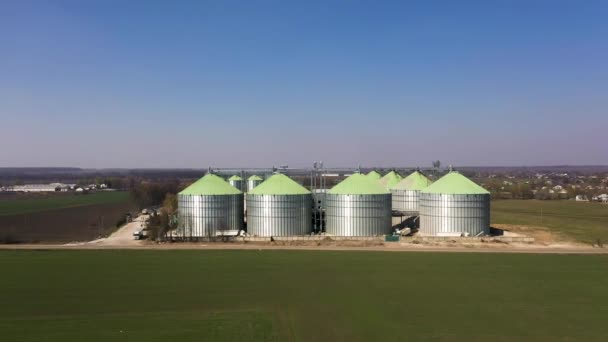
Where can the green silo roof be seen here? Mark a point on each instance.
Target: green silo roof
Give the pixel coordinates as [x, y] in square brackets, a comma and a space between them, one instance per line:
[390, 179]
[279, 184]
[455, 184]
[210, 185]
[235, 178]
[358, 184]
[255, 178]
[415, 181]
[374, 175]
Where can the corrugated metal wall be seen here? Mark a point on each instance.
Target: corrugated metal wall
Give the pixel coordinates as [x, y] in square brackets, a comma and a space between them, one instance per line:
[358, 215]
[252, 183]
[279, 215]
[441, 213]
[237, 184]
[204, 216]
[406, 201]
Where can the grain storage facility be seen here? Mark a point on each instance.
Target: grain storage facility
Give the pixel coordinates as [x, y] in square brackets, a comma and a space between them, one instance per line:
[279, 207]
[358, 206]
[374, 175]
[454, 206]
[390, 179]
[406, 193]
[209, 207]
[253, 181]
[236, 182]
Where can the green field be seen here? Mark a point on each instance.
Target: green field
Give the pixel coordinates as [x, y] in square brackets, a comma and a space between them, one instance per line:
[60, 201]
[301, 296]
[581, 221]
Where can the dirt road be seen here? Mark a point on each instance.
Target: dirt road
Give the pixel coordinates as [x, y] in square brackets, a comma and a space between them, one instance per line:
[396, 247]
[123, 237]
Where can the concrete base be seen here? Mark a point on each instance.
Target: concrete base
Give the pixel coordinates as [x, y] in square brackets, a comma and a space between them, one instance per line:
[521, 239]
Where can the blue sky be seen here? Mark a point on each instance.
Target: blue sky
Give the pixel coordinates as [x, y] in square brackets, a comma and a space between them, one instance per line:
[262, 83]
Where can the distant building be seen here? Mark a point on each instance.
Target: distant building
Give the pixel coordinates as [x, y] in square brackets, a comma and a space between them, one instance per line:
[32, 188]
[38, 187]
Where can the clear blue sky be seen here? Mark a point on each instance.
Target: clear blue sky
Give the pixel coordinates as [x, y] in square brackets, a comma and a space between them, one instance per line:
[262, 83]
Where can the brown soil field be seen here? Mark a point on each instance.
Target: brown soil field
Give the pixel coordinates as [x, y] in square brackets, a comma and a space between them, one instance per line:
[63, 225]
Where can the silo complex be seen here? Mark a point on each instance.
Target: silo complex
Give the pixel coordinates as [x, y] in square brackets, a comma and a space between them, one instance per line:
[253, 181]
[390, 179]
[358, 206]
[406, 193]
[210, 207]
[236, 182]
[454, 205]
[279, 207]
[374, 175]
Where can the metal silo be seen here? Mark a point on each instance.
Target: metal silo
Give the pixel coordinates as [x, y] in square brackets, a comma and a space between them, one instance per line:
[358, 206]
[406, 193]
[390, 179]
[279, 207]
[454, 205]
[253, 181]
[210, 207]
[374, 175]
[236, 182]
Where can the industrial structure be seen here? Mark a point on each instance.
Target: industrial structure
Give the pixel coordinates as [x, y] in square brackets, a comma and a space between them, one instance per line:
[454, 206]
[358, 206]
[253, 181]
[41, 187]
[390, 179]
[374, 175]
[210, 207]
[279, 207]
[237, 182]
[406, 193]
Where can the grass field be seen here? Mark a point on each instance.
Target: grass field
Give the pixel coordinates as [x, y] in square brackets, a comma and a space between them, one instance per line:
[301, 296]
[60, 218]
[60, 201]
[581, 221]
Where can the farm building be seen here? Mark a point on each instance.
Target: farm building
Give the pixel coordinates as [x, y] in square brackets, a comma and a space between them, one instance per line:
[236, 181]
[406, 193]
[210, 207]
[374, 175]
[38, 187]
[279, 206]
[253, 181]
[390, 179]
[358, 206]
[454, 206]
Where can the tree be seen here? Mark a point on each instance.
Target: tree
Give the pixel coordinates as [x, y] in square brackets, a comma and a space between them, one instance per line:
[170, 204]
[169, 212]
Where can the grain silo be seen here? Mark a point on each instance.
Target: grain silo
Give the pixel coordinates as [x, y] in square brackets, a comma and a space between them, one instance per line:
[236, 181]
[279, 207]
[210, 207]
[358, 206]
[454, 206]
[406, 193]
[253, 181]
[390, 179]
[374, 175]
